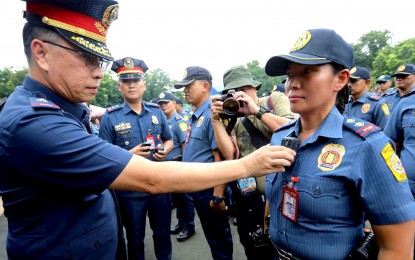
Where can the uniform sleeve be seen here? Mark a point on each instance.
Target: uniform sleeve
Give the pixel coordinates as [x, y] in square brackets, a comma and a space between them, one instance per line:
[211, 133]
[385, 192]
[54, 150]
[393, 128]
[106, 129]
[181, 132]
[381, 113]
[281, 105]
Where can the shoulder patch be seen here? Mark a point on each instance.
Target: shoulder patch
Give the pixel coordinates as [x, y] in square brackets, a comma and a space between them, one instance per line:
[393, 162]
[410, 93]
[178, 118]
[287, 125]
[41, 103]
[113, 108]
[360, 127]
[374, 97]
[183, 126]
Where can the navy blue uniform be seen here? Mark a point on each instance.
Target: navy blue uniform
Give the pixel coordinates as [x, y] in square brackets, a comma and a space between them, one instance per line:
[185, 211]
[122, 126]
[54, 177]
[392, 98]
[347, 170]
[401, 129]
[370, 108]
[199, 148]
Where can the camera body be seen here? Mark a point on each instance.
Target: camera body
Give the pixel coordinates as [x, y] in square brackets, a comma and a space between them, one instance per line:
[230, 104]
[291, 142]
[159, 148]
[258, 237]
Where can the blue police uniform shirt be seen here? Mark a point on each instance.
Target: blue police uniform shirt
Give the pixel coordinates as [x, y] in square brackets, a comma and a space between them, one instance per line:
[202, 141]
[370, 108]
[401, 129]
[178, 128]
[341, 175]
[54, 178]
[392, 98]
[121, 126]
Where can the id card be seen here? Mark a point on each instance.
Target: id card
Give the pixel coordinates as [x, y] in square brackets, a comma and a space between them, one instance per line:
[290, 202]
[247, 186]
[188, 132]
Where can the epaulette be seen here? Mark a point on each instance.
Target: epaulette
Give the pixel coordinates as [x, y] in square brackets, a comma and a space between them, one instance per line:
[286, 125]
[178, 118]
[42, 103]
[374, 97]
[113, 108]
[151, 104]
[360, 127]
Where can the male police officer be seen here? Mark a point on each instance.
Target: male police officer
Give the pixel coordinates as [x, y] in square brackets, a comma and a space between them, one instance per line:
[54, 175]
[200, 146]
[363, 104]
[129, 126]
[185, 211]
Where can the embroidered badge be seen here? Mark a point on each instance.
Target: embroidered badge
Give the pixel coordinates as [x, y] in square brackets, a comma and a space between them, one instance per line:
[350, 120]
[385, 109]
[129, 63]
[365, 108]
[330, 157]
[154, 120]
[401, 68]
[200, 121]
[302, 41]
[122, 126]
[393, 162]
[183, 126]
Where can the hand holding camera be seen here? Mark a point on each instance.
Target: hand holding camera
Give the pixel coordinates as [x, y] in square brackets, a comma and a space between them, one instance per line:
[159, 153]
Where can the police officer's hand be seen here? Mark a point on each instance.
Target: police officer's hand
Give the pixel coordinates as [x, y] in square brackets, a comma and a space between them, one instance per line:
[159, 155]
[216, 108]
[220, 207]
[140, 150]
[249, 106]
[268, 159]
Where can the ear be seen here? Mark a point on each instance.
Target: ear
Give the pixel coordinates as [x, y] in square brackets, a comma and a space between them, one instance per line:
[342, 79]
[206, 87]
[40, 54]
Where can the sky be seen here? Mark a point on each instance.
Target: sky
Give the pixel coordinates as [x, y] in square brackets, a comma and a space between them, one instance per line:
[220, 34]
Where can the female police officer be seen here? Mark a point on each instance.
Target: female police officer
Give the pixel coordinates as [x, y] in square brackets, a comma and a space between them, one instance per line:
[345, 168]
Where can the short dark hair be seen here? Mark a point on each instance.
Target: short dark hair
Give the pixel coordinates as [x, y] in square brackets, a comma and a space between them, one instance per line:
[31, 32]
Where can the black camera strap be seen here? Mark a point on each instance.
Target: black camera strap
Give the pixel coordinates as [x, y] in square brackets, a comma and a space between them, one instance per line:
[257, 138]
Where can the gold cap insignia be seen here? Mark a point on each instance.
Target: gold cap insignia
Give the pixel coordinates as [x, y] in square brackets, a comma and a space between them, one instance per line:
[353, 70]
[401, 68]
[185, 74]
[161, 95]
[110, 15]
[302, 41]
[129, 63]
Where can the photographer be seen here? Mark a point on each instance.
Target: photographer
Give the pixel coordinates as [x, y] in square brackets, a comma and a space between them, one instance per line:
[249, 201]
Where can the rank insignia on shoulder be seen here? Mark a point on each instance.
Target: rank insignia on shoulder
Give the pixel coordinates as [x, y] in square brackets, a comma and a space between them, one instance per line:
[152, 104]
[113, 108]
[360, 127]
[41, 103]
[393, 162]
[374, 97]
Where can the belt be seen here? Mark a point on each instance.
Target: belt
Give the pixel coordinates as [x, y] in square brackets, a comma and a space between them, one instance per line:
[283, 254]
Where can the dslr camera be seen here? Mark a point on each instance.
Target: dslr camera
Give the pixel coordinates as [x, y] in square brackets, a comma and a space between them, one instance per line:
[230, 104]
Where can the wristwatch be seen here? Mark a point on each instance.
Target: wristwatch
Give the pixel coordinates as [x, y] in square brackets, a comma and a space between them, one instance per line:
[262, 110]
[216, 199]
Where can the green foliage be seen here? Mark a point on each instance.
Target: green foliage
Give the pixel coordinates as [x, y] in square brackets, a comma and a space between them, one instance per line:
[368, 47]
[10, 79]
[157, 81]
[259, 74]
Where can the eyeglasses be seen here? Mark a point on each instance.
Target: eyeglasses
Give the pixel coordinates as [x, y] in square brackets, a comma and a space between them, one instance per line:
[92, 61]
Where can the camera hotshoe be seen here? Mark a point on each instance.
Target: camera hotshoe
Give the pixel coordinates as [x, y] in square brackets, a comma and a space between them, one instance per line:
[230, 104]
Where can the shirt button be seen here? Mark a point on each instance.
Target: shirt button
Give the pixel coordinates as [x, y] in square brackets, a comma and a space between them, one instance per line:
[317, 191]
[97, 244]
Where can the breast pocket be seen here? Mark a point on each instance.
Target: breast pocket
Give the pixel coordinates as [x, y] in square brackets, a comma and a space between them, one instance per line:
[323, 198]
[126, 139]
[199, 140]
[408, 125]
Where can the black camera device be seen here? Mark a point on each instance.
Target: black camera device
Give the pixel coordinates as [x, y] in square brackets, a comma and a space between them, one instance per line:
[258, 237]
[291, 142]
[230, 104]
[158, 149]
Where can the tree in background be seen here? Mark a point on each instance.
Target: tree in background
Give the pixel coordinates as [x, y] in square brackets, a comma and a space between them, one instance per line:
[259, 74]
[10, 79]
[368, 46]
[108, 94]
[157, 81]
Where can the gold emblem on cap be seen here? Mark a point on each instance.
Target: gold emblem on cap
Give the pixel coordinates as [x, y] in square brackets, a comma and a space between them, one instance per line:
[129, 63]
[110, 15]
[353, 70]
[401, 68]
[161, 95]
[185, 74]
[302, 41]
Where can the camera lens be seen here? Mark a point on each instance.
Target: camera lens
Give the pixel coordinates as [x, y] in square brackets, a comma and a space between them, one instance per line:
[231, 106]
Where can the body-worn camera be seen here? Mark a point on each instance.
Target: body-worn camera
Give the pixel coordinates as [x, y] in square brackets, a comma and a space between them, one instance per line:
[230, 104]
[291, 142]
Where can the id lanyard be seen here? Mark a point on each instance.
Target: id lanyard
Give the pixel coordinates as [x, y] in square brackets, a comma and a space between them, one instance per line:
[188, 132]
[290, 200]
